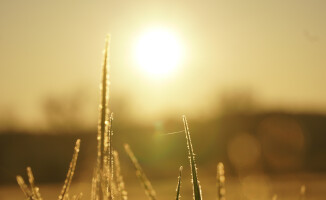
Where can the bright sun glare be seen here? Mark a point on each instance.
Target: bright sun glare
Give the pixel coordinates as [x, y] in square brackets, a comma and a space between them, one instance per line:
[158, 52]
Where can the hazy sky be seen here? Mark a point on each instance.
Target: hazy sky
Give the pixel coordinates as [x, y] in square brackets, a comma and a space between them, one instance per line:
[275, 49]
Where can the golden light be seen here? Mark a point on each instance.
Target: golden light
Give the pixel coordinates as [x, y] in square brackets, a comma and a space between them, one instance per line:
[158, 52]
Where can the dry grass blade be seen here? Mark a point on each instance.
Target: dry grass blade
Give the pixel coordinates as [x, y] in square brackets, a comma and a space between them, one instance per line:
[150, 192]
[179, 184]
[71, 171]
[121, 191]
[196, 185]
[24, 188]
[220, 182]
[35, 190]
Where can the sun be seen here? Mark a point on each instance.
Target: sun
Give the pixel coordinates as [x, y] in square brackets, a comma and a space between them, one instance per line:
[158, 52]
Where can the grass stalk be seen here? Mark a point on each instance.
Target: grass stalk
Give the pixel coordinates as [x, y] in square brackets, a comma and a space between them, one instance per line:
[94, 187]
[71, 171]
[103, 126]
[110, 160]
[178, 197]
[197, 195]
[24, 188]
[150, 192]
[121, 191]
[35, 190]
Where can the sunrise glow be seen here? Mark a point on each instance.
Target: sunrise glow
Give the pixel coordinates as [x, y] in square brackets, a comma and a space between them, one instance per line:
[158, 52]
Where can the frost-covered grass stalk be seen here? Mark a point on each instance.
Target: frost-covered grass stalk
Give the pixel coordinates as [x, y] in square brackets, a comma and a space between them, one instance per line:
[121, 191]
[35, 190]
[24, 188]
[32, 192]
[178, 197]
[65, 189]
[195, 182]
[104, 186]
[102, 170]
[149, 190]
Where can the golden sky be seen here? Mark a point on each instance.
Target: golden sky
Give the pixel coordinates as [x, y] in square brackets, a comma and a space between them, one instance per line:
[274, 49]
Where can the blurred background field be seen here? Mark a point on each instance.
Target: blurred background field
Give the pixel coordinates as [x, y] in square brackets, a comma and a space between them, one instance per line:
[263, 154]
[251, 80]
